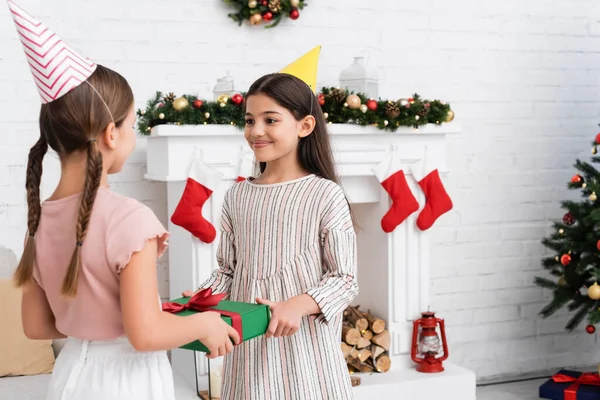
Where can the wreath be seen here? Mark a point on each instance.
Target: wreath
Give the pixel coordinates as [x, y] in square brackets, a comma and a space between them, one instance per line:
[265, 11]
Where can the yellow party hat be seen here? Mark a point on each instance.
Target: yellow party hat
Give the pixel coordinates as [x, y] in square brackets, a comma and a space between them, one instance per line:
[306, 67]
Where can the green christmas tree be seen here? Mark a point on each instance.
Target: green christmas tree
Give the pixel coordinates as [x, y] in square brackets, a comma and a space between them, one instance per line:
[575, 246]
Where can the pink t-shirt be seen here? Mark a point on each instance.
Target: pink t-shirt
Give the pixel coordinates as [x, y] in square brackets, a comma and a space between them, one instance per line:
[119, 226]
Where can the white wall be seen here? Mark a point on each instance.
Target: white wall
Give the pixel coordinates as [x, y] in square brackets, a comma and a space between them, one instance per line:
[522, 77]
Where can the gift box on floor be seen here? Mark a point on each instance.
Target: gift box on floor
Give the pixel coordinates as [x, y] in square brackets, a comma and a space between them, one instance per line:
[571, 385]
[248, 319]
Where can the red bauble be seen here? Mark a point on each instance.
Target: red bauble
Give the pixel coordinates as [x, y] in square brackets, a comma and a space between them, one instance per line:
[294, 14]
[565, 259]
[237, 99]
[268, 16]
[576, 178]
[598, 138]
[568, 219]
[265, 2]
[598, 244]
[590, 329]
[197, 103]
[161, 105]
[371, 104]
[321, 99]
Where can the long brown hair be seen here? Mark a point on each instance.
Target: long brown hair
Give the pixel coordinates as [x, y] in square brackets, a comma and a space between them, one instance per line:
[290, 92]
[71, 124]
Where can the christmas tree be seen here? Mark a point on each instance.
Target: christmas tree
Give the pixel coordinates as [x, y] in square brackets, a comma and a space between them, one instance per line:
[575, 246]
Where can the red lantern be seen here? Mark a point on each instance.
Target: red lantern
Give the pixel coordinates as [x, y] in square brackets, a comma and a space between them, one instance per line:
[426, 343]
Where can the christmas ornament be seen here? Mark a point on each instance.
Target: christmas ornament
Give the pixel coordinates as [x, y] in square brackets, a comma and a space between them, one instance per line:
[143, 112]
[256, 19]
[264, 2]
[584, 185]
[392, 110]
[403, 103]
[565, 259]
[237, 99]
[275, 6]
[267, 16]
[417, 117]
[201, 182]
[590, 329]
[252, 4]
[598, 138]
[594, 291]
[161, 116]
[562, 281]
[197, 103]
[593, 196]
[294, 14]
[169, 97]
[180, 104]
[386, 122]
[568, 219]
[576, 178]
[337, 95]
[364, 108]
[294, 3]
[372, 104]
[207, 115]
[160, 105]
[450, 116]
[326, 115]
[556, 258]
[598, 244]
[321, 99]
[223, 98]
[353, 101]
[561, 231]
[391, 176]
[345, 104]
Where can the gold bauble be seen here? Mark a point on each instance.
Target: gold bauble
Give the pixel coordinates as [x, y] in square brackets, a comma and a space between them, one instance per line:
[345, 104]
[207, 115]
[180, 103]
[252, 4]
[561, 231]
[256, 19]
[326, 115]
[450, 116]
[223, 104]
[143, 112]
[363, 108]
[594, 291]
[417, 117]
[353, 101]
[386, 123]
[223, 98]
[161, 116]
[593, 196]
[584, 185]
[294, 3]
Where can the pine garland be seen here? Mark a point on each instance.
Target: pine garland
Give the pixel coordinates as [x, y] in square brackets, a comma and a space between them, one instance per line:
[410, 112]
[267, 11]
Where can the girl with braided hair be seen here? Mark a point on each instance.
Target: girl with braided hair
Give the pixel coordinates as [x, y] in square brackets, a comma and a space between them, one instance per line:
[88, 270]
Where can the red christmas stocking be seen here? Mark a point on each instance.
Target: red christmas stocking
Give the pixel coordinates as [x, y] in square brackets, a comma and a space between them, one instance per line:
[437, 200]
[201, 183]
[391, 176]
[246, 167]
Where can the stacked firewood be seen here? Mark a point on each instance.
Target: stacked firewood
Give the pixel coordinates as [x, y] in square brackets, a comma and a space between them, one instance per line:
[365, 341]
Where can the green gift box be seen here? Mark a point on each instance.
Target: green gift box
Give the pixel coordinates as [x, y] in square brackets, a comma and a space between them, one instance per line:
[254, 317]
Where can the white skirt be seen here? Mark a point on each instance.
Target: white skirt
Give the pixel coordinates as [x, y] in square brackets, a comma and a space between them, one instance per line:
[103, 370]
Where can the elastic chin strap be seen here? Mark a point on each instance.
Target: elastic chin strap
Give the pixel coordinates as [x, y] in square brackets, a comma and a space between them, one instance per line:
[106, 105]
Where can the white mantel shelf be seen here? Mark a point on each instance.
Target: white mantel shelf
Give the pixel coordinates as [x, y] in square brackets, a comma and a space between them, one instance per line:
[393, 269]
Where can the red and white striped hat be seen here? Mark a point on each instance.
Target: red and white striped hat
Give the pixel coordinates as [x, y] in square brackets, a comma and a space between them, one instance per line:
[56, 67]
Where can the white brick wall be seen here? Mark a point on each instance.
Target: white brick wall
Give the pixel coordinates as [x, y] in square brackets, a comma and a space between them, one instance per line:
[523, 78]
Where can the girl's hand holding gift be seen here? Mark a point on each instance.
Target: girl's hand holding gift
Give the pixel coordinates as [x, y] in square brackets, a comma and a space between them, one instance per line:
[286, 316]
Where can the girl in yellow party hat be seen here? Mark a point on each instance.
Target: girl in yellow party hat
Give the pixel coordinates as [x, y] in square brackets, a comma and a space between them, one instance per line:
[287, 241]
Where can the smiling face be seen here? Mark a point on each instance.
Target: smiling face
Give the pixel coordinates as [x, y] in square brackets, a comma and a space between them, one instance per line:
[271, 130]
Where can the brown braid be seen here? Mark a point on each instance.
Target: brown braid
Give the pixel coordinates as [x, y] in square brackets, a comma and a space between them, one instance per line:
[92, 183]
[24, 271]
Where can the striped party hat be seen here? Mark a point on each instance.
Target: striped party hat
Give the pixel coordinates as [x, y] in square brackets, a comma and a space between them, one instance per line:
[56, 67]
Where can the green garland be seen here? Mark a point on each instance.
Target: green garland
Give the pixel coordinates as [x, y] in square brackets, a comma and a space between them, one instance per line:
[339, 106]
[269, 11]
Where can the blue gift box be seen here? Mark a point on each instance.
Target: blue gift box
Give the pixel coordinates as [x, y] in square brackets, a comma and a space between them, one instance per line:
[556, 390]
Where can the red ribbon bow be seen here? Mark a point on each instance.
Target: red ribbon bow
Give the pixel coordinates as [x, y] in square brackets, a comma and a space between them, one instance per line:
[587, 378]
[202, 301]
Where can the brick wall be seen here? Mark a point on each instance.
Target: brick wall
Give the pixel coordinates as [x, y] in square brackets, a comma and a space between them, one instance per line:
[522, 77]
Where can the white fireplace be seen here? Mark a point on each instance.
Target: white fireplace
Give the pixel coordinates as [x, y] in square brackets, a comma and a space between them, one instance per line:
[393, 269]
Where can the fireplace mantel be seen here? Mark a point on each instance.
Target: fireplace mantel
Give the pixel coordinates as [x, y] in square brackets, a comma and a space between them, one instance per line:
[394, 279]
